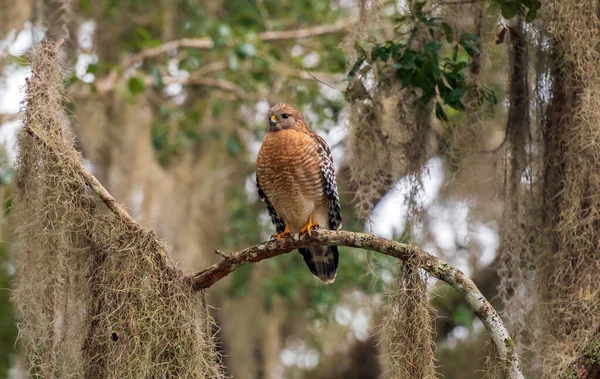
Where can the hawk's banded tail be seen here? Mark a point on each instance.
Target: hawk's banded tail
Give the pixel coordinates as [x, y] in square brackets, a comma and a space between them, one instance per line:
[322, 261]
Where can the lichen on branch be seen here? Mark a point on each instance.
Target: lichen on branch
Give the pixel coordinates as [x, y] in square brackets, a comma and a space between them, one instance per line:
[405, 252]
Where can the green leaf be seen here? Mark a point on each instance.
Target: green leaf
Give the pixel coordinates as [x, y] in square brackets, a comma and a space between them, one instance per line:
[144, 33]
[92, 68]
[408, 59]
[470, 43]
[380, 52]
[432, 47]
[157, 77]
[427, 96]
[135, 85]
[448, 32]
[460, 66]
[439, 112]
[535, 6]
[455, 95]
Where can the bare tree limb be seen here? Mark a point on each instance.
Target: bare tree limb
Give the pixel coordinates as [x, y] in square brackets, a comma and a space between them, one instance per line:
[408, 253]
[196, 43]
[339, 26]
[105, 84]
[207, 43]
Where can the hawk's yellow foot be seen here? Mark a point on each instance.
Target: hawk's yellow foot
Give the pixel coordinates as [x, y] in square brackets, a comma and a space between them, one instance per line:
[308, 227]
[285, 233]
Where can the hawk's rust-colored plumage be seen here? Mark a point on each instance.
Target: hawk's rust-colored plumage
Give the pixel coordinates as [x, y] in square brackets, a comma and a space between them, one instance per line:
[295, 177]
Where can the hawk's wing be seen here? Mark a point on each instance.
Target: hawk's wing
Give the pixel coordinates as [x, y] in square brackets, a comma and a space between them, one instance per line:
[277, 221]
[329, 183]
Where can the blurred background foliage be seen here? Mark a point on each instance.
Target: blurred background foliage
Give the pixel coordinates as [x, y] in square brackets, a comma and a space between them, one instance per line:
[168, 101]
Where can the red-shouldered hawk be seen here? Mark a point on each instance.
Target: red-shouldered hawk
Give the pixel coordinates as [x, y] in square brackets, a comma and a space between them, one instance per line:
[295, 178]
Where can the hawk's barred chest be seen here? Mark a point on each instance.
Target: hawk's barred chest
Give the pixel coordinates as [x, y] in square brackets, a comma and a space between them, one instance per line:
[288, 168]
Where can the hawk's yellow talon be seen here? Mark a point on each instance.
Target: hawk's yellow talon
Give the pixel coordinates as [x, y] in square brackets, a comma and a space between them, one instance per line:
[308, 227]
[285, 233]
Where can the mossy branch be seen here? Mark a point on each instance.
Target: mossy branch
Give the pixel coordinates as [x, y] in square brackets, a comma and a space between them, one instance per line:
[408, 253]
[95, 186]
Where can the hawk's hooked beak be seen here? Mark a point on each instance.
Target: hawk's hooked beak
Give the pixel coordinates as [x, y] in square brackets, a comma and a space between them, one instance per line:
[273, 120]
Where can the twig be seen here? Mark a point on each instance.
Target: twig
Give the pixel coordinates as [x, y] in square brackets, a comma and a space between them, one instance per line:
[197, 43]
[322, 82]
[8, 117]
[434, 266]
[223, 254]
[339, 26]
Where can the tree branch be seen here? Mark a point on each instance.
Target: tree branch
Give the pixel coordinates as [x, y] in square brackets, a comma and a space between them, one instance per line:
[408, 253]
[339, 26]
[95, 186]
[8, 117]
[207, 43]
[106, 84]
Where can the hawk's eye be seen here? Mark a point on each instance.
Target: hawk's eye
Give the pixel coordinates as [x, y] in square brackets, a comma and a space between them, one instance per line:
[285, 115]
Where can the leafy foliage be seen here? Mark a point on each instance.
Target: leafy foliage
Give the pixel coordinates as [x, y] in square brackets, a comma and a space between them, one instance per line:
[421, 62]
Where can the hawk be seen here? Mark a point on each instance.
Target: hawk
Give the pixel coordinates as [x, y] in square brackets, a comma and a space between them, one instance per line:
[295, 178]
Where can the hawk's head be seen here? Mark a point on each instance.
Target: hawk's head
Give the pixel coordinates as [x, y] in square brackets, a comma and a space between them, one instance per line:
[283, 116]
